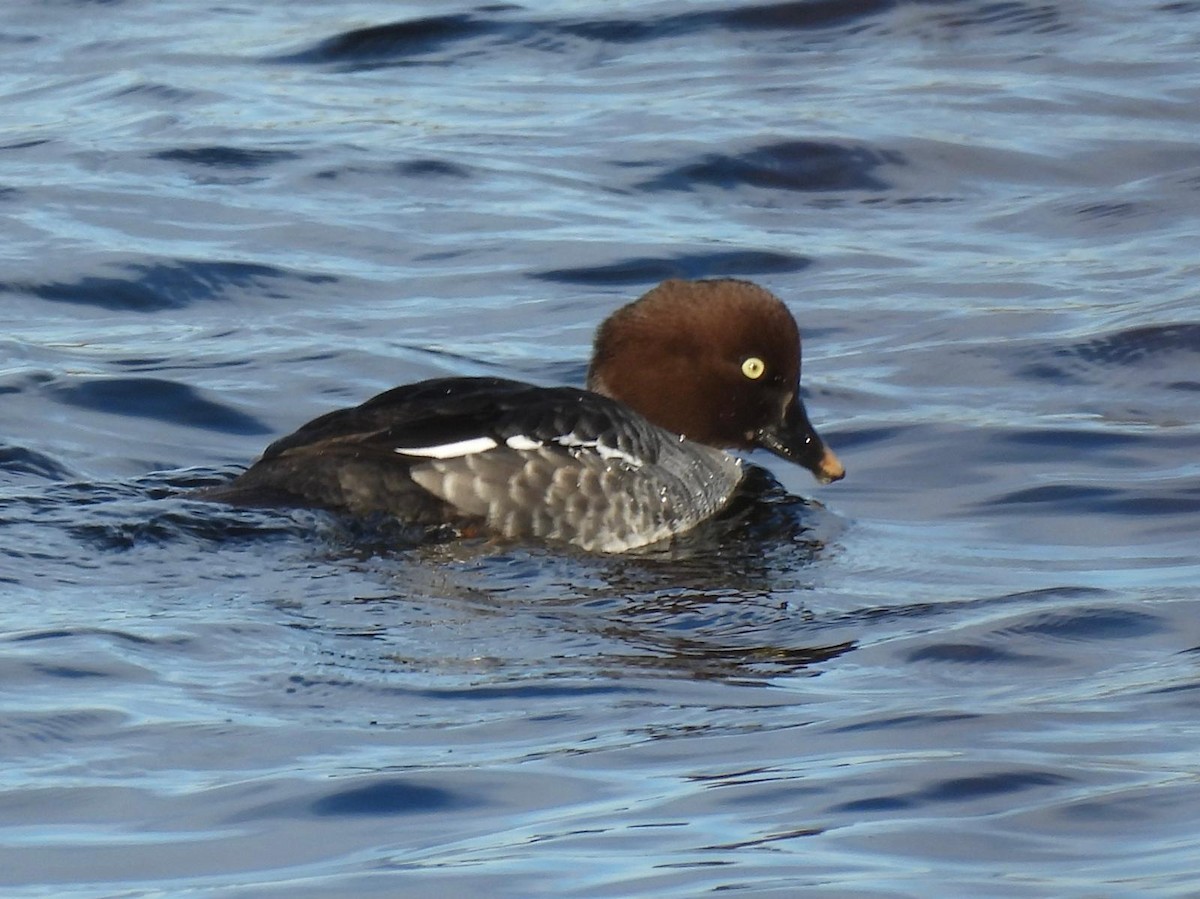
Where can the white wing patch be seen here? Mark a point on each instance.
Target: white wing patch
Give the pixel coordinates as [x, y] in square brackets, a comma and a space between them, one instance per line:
[607, 453]
[523, 444]
[449, 450]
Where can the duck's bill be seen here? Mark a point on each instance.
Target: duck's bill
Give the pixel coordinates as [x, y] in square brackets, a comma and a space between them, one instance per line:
[795, 439]
[830, 468]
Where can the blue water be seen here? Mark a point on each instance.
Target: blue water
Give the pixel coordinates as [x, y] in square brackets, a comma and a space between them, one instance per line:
[971, 668]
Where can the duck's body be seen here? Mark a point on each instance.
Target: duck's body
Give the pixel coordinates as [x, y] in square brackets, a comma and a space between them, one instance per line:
[631, 461]
[552, 462]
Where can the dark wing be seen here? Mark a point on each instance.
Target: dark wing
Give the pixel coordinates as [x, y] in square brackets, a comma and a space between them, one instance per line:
[447, 411]
[556, 462]
[345, 460]
[435, 410]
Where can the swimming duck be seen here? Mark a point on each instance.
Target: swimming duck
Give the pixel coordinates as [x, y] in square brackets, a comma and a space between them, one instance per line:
[676, 377]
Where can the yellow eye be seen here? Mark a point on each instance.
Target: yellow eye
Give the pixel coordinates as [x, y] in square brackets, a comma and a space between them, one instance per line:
[753, 368]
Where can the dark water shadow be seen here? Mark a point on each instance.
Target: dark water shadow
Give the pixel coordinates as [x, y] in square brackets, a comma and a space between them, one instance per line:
[156, 399]
[23, 461]
[411, 41]
[650, 269]
[1086, 360]
[438, 39]
[396, 43]
[158, 286]
[225, 157]
[96, 518]
[956, 790]
[382, 797]
[786, 17]
[797, 165]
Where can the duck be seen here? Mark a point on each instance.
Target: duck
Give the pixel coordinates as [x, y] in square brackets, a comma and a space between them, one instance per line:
[636, 459]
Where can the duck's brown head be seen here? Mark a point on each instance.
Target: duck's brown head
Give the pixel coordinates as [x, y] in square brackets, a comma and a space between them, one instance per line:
[717, 362]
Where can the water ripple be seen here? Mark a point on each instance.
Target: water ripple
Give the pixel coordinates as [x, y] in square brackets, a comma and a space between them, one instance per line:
[394, 42]
[225, 157]
[788, 165]
[976, 656]
[648, 269]
[154, 398]
[158, 286]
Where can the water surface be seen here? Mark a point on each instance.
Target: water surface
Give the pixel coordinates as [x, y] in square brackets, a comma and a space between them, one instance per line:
[971, 668]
